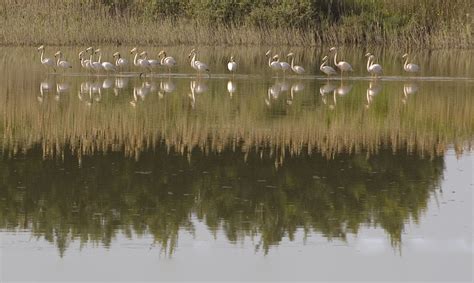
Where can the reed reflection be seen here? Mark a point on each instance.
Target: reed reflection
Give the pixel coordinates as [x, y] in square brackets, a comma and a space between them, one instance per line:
[249, 119]
[236, 195]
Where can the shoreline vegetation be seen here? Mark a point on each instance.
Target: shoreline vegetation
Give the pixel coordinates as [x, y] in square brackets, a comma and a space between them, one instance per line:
[401, 23]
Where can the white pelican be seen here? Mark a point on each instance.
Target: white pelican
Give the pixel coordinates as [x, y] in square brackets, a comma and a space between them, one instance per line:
[119, 61]
[342, 65]
[107, 66]
[166, 61]
[232, 65]
[47, 62]
[328, 70]
[231, 87]
[272, 61]
[142, 63]
[410, 67]
[95, 65]
[62, 63]
[373, 69]
[85, 63]
[197, 65]
[284, 65]
[297, 69]
[153, 63]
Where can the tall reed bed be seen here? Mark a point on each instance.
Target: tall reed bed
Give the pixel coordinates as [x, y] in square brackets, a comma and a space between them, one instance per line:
[306, 23]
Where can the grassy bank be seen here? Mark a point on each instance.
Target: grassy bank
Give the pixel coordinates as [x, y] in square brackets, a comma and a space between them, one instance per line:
[427, 23]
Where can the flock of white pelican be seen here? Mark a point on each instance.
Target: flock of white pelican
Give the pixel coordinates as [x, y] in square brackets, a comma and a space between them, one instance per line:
[91, 60]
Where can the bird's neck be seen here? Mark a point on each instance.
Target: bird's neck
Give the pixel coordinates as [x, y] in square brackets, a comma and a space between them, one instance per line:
[135, 59]
[323, 65]
[406, 63]
[335, 58]
[368, 63]
[59, 58]
[292, 61]
[42, 54]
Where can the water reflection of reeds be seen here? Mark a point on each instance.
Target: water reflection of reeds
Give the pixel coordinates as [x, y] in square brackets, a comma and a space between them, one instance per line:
[87, 115]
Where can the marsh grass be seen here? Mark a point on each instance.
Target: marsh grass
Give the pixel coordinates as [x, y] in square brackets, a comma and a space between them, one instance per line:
[404, 24]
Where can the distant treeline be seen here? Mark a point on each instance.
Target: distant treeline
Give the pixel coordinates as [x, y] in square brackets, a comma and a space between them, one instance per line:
[432, 23]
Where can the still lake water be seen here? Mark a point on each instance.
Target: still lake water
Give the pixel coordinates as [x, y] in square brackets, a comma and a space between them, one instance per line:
[251, 177]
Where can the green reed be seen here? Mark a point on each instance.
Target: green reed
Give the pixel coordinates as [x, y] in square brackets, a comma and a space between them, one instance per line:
[285, 22]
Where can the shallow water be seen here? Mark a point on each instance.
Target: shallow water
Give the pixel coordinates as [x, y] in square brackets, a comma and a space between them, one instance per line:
[256, 176]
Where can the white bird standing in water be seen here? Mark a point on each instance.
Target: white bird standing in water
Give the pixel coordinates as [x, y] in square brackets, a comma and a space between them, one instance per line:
[272, 61]
[232, 65]
[95, 65]
[62, 63]
[153, 63]
[139, 62]
[373, 69]
[342, 65]
[284, 65]
[119, 61]
[197, 65]
[107, 66]
[410, 67]
[297, 69]
[85, 63]
[166, 61]
[328, 70]
[47, 62]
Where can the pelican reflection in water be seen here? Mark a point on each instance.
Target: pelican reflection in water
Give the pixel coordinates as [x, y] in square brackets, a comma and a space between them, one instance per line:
[408, 90]
[141, 92]
[231, 88]
[61, 88]
[196, 87]
[45, 87]
[274, 91]
[166, 87]
[295, 88]
[120, 84]
[343, 90]
[374, 88]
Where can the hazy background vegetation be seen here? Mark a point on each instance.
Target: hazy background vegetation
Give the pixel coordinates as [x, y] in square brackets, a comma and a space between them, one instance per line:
[290, 22]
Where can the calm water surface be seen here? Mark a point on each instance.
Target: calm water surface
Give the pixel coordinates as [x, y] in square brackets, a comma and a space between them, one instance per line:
[256, 176]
